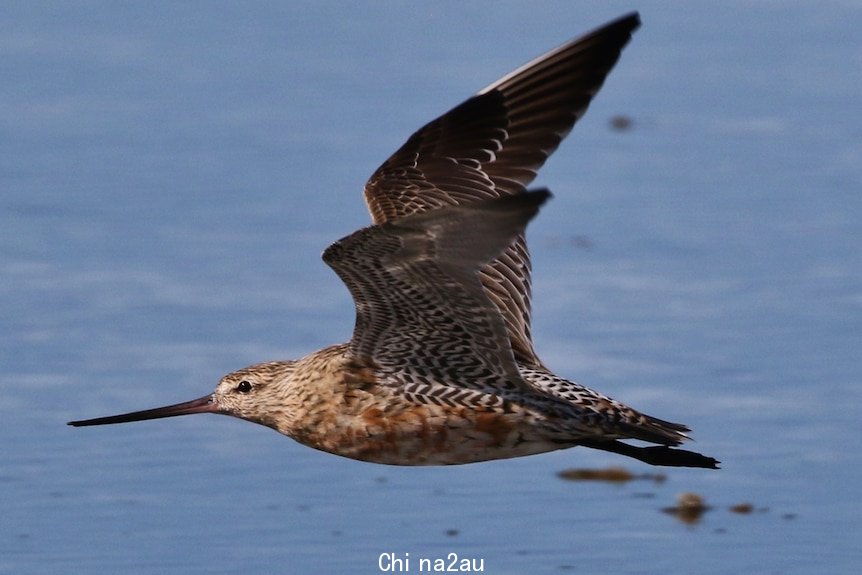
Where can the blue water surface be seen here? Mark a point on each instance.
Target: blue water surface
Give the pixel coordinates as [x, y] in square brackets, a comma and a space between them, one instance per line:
[170, 173]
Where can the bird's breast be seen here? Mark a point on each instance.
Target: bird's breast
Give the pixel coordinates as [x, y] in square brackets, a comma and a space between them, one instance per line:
[402, 433]
[346, 409]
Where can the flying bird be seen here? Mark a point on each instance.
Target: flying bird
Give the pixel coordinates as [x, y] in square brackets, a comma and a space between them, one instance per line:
[441, 367]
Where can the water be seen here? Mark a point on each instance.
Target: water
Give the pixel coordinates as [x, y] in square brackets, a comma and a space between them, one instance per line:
[171, 173]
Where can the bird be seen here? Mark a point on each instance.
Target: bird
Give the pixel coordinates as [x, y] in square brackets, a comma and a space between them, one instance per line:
[441, 367]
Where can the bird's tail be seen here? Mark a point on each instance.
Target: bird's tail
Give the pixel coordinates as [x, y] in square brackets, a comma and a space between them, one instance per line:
[652, 429]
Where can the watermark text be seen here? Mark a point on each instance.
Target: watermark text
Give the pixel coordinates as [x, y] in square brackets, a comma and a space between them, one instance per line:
[389, 562]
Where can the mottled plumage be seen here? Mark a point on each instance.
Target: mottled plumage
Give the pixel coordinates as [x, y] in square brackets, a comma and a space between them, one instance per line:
[441, 367]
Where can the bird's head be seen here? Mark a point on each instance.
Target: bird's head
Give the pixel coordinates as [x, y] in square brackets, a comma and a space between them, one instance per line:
[251, 393]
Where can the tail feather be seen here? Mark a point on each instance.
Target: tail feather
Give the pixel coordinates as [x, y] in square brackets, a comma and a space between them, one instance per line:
[654, 430]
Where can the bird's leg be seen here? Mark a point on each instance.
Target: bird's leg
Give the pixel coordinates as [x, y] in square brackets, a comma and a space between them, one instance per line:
[657, 455]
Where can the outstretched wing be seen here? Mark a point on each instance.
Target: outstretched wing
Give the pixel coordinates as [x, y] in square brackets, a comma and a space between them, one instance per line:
[421, 311]
[493, 144]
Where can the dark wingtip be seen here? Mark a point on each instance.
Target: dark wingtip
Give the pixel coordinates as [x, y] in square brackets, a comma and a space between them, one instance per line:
[630, 21]
[536, 196]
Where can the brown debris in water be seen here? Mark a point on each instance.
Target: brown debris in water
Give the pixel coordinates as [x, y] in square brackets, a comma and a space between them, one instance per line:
[609, 474]
[742, 508]
[621, 123]
[689, 509]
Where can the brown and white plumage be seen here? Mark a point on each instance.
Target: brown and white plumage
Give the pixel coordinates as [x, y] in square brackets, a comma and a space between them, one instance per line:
[494, 144]
[420, 307]
[441, 367]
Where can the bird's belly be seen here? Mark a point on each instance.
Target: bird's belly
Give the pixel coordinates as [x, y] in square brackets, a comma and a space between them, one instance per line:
[433, 435]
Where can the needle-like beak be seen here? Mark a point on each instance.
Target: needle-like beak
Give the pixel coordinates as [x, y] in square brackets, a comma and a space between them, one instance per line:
[204, 404]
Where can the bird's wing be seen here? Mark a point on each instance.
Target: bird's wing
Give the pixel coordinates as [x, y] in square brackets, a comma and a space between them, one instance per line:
[493, 144]
[422, 315]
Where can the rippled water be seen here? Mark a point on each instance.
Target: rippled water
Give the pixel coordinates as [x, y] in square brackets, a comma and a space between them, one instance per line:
[171, 173]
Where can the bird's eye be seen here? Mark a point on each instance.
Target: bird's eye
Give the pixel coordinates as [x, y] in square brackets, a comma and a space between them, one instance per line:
[244, 386]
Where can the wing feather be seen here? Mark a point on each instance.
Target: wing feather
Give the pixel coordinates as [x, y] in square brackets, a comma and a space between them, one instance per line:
[493, 144]
[421, 311]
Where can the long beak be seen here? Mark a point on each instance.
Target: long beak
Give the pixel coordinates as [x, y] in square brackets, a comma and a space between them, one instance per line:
[204, 404]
